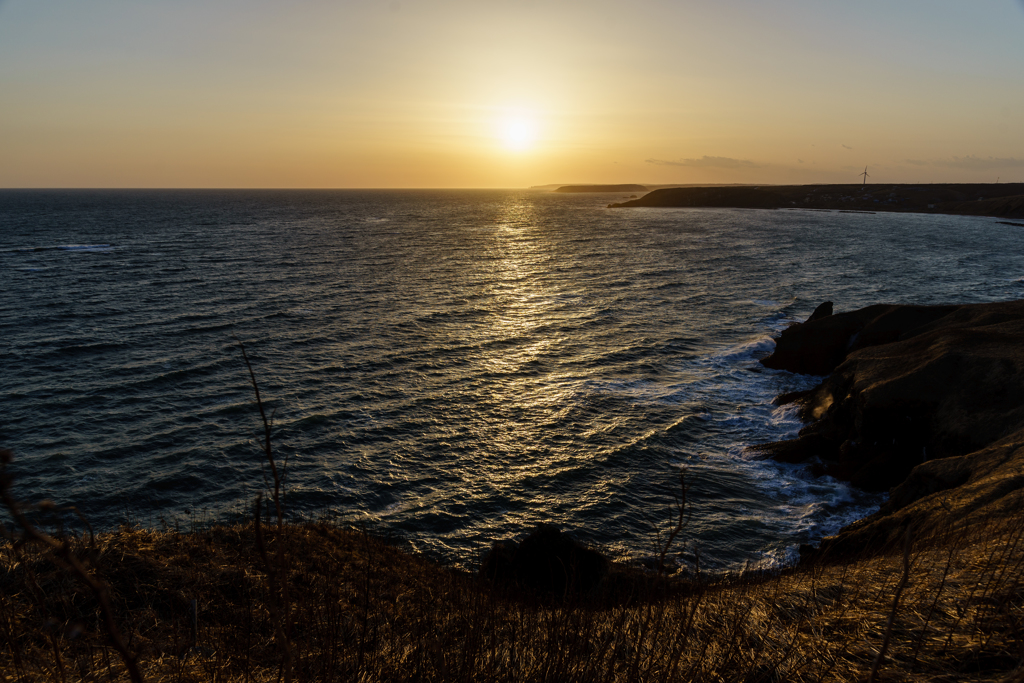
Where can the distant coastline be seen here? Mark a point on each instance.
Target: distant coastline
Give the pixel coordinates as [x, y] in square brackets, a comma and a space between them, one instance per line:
[1004, 200]
[602, 188]
[645, 187]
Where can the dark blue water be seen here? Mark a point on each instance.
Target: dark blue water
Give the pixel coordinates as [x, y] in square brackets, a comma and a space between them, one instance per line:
[448, 366]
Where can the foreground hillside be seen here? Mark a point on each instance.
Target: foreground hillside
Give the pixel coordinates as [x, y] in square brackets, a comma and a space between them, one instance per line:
[1003, 200]
[343, 606]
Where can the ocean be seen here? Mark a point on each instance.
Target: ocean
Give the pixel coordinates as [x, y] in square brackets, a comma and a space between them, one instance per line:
[447, 368]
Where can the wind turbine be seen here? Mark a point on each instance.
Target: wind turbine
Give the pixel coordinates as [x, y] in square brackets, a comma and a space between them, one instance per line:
[865, 174]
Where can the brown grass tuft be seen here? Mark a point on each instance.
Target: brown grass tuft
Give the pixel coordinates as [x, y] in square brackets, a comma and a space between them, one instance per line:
[362, 610]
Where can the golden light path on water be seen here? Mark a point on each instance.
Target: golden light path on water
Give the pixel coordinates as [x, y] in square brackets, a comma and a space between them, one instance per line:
[523, 295]
[527, 299]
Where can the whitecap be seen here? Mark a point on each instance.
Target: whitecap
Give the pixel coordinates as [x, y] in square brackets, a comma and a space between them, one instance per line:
[786, 416]
[748, 351]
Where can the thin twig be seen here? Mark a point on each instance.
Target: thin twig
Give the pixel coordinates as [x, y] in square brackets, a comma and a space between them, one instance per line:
[681, 515]
[895, 606]
[277, 571]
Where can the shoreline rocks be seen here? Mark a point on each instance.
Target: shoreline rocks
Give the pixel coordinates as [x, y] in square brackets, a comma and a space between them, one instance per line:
[926, 402]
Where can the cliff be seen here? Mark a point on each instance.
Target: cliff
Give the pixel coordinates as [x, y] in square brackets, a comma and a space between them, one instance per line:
[926, 402]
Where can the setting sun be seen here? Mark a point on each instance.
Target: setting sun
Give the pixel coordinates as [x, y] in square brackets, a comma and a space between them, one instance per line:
[518, 133]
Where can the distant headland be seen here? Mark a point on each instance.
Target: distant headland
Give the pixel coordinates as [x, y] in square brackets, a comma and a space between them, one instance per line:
[602, 188]
[1004, 200]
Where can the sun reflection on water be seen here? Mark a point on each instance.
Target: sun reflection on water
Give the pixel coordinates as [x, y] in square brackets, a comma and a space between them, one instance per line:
[532, 452]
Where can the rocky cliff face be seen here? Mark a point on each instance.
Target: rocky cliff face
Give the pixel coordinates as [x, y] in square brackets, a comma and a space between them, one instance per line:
[926, 402]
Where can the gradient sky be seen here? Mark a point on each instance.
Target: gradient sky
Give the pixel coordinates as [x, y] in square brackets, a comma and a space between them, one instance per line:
[420, 93]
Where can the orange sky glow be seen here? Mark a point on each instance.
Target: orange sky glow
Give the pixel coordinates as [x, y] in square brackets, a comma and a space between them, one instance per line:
[489, 93]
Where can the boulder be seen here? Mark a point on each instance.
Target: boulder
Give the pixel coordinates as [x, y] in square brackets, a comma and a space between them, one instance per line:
[547, 560]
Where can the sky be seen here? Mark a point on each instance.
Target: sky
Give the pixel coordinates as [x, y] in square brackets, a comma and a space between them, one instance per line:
[508, 93]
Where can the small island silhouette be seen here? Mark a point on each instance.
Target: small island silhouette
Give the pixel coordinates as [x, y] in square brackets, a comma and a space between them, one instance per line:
[602, 188]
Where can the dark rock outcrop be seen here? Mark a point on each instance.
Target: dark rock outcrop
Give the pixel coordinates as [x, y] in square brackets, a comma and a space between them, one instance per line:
[944, 498]
[547, 560]
[822, 311]
[926, 402]
[819, 345]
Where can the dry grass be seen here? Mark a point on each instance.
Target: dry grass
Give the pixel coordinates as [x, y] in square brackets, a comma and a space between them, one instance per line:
[361, 610]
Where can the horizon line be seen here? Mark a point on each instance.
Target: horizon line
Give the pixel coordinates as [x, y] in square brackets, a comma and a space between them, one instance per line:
[420, 188]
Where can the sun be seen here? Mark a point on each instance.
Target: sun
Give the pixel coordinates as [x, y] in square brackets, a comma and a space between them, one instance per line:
[518, 133]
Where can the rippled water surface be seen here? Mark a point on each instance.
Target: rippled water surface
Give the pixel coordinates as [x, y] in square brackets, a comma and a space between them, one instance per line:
[448, 366]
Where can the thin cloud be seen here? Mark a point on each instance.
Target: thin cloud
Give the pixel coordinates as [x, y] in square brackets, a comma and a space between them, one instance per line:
[972, 163]
[707, 162]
